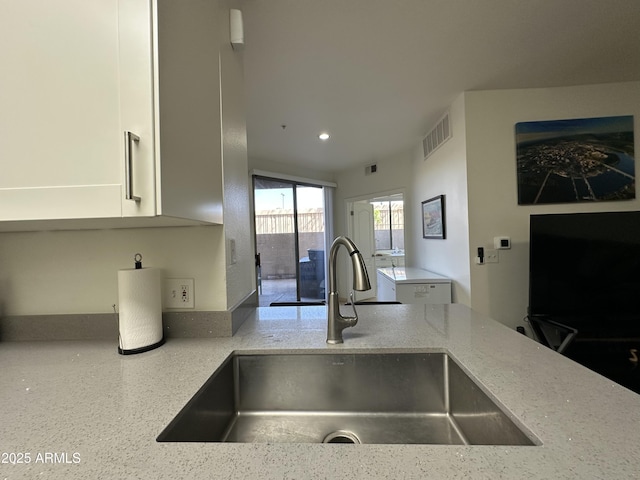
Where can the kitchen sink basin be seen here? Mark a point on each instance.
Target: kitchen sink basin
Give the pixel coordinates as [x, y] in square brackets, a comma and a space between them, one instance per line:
[378, 398]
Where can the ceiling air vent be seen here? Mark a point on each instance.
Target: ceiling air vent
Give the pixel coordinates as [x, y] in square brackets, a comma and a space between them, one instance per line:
[437, 136]
[370, 169]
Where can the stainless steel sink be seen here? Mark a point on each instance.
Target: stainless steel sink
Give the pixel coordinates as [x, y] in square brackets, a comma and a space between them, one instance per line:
[380, 398]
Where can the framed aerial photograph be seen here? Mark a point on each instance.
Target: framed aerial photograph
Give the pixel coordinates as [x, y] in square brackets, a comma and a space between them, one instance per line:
[579, 160]
[433, 221]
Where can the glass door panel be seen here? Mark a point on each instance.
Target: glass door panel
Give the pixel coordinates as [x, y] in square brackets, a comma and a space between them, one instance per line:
[275, 240]
[289, 225]
[311, 256]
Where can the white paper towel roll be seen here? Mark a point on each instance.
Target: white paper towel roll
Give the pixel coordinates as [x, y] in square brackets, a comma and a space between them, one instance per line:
[140, 309]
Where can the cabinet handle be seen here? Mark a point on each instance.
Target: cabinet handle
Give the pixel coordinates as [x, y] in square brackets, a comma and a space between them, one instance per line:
[129, 138]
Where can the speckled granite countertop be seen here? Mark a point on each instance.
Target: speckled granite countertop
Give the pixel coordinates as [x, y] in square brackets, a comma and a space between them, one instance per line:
[82, 411]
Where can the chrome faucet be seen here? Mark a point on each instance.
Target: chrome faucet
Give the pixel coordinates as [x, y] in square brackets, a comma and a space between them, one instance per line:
[337, 323]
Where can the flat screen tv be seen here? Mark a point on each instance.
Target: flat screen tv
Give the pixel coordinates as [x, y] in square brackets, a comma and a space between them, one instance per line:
[584, 271]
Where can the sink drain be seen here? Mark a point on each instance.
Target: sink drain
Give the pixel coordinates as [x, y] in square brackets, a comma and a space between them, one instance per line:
[341, 436]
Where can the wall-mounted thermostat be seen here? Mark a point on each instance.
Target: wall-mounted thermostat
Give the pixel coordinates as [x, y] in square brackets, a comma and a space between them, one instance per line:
[501, 243]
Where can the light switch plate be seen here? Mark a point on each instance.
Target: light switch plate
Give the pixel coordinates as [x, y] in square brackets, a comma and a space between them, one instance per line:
[233, 255]
[491, 256]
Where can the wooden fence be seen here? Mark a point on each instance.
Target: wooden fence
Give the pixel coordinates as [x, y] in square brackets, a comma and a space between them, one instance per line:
[281, 221]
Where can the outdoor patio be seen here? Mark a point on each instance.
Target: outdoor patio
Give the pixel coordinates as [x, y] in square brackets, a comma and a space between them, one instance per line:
[280, 290]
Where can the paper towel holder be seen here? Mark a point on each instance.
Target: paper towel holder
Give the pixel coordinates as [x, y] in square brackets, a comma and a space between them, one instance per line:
[151, 328]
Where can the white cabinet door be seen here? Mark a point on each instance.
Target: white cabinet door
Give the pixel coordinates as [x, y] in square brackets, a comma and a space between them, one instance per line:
[59, 109]
[78, 78]
[170, 100]
[137, 129]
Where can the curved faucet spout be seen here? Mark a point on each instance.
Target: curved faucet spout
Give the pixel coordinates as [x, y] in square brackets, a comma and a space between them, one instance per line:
[336, 322]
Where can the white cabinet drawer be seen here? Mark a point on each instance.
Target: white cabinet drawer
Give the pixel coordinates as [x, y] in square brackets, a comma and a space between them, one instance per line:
[383, 261]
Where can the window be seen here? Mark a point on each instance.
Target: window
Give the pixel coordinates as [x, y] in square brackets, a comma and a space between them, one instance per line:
[388, 216]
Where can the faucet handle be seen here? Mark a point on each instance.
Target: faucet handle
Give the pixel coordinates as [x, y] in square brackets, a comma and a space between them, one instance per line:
[353, 304]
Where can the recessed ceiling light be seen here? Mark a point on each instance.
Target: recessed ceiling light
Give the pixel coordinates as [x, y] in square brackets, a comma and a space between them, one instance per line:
[323, 136]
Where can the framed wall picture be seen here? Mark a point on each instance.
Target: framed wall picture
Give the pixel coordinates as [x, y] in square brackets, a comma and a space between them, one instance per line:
[576, 160]
[433, 221]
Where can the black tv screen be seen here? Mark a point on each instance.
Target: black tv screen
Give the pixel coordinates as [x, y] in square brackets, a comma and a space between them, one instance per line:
[584, 270]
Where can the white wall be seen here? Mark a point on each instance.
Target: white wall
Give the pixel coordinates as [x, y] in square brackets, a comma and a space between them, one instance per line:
[392, 174]
[444, 172]
[287, 169]
[501, 290]
[76, 271]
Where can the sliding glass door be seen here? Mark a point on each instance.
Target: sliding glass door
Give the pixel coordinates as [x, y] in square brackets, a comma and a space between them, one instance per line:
[290, 241]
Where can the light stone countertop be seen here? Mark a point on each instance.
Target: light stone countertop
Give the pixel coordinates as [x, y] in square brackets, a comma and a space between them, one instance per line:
[412, 275]
[84, 402]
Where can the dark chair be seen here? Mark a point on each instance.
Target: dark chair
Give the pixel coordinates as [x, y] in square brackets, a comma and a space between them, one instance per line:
[552, 334]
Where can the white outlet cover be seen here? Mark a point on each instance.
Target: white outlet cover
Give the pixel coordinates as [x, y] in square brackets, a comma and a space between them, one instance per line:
[178, 293]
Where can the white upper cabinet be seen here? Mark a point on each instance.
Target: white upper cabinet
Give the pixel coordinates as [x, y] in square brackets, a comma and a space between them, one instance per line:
[110, 110]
